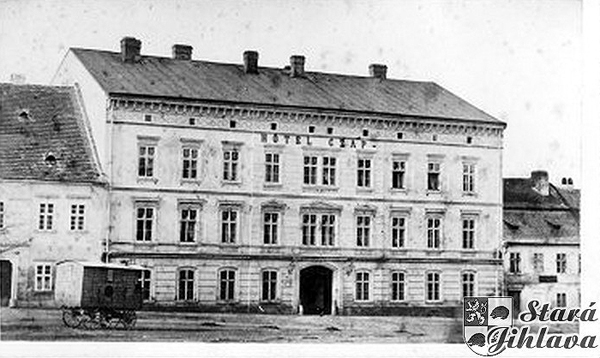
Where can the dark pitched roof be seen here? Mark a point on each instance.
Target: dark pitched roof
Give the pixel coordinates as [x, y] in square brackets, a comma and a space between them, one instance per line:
[202, 80]
[530, 216]
[36, 121]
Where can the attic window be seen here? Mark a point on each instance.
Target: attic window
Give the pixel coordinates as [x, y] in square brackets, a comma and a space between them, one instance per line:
[365, 133]
[469, 140]
[434, 138]
[400, 135]
[232, 124]
[147, 118]
[50, 160]
[192, 121]
[311, 129]
[273, 126]
[329, 130]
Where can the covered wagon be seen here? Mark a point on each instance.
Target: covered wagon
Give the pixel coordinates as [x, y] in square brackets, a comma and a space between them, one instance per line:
[98, 295]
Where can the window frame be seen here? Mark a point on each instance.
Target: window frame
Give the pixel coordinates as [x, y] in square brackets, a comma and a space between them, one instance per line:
[145, 205]
[514, 262]
[363, 222]
[231, 172]
[538, 262]
[437, 285]
[272, 285]
[191, 207]
[561, 263]
[329, 170]
[236, 233]
[276, 224]
[469, 178]
[77, 219]
[366, 180]
[142, 281]
[310, 169]
[434, 175]
[45, 278]
[2, 215]
[399, 241]
[188, 281]
[469, 234]
[194, 163]
[362, 294]
[434, 242]
[473, 283]
[46, 214]
[148, 169]
[230, 285]
[400, 172]
[398, 286]
[275, 172]
[561, 299]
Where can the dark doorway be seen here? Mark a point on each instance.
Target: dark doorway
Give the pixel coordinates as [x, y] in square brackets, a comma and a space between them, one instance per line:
[5, 282]
[516, 295]
[315, 290]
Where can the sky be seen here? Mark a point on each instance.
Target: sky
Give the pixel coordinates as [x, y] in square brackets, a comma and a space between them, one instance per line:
[520, 60]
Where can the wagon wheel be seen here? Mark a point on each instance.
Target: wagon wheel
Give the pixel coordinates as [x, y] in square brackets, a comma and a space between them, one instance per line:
[128, 319]
[72, 317]
[91, 320]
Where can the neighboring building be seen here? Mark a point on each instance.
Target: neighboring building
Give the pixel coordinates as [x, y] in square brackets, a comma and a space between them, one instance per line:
[52, 198]
[247, 188]
[541, 237]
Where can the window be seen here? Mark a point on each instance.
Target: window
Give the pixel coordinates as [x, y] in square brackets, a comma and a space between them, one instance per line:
[468, 233]
[146, 161]
[226, 285]
[363, 230]
[186, 285]
[469, 140]
[433, 176]
[328, 171]
[434, 225]
[398, 286]
[398, 174]
[190, 163]
[468, 284]
[77, 217]
[311, 129]
[329, 130]
[362, 286]
[229, 225]
[270, 227]
[144, 283]
[400, 135]
[561, 299]
[231, 160]
[468, 178]
[43, 277]
[561, 263]
[324, 223]
[232, 124]
[363, 179]
[269, 285]
[188, 224]
[272, 167]
[144, 223]
[46, 216]
[538, 262]
[147, 118]
[310, 170]
[1, 215]
[398, 231]
[365, 133]
[433, 286]
[515, 262]
[273, 126]
[192, 121]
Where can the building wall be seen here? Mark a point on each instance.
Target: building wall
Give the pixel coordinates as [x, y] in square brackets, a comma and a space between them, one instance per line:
[26, 246]
[169, 130]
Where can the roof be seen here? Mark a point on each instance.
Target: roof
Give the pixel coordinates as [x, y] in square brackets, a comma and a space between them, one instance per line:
[530, 216]
[37, 122]
[202, 80]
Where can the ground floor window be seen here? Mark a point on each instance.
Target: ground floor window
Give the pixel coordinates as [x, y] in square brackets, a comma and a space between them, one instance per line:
[468, 284]
[226, 285]
[398, 286]
[362, 286]
[43, 277]
[145, 284]
[269, 285]
[186, 285]
[433, 286]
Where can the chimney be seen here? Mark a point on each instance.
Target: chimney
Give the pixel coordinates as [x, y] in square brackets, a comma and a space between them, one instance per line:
[539, 178]
[250, 62]
[297, 66]
[130, 49]
[378, 71]
[182, 52]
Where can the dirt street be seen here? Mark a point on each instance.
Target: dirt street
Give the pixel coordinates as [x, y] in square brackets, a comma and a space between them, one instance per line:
[44, 325]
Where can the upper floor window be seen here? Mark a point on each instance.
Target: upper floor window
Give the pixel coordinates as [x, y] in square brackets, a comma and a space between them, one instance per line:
[515, 262]
[270, 227]
[272, 167]
[190, 163]
[43, 277]
[468, 233]
[561, 299]
[46, 219]
[318, 225]
[227, 285]
[434, 231]
[188, 223]
[362, 286]
[186, 285]
[1, 215]
[144, 282]
[468, 178]
[398, 231]
[77, 217]
[328, 177]
[144, 225]
[433, 176]
[269, 285]
[231, 164]
[538, 262]
[363, 178]
[363, 230]
[468, 284]
[561, 263]
[146, 160]
[310, 170]
[398, 174]
[229, 225]
[433, 286]
[398, 286]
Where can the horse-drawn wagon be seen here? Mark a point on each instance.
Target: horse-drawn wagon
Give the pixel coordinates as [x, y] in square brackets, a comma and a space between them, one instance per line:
[98, 295]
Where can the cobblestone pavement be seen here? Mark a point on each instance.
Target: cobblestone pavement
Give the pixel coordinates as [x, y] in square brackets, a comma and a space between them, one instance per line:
[46, 325]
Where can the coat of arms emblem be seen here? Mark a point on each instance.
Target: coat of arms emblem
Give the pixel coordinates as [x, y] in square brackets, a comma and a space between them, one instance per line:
[481, 315]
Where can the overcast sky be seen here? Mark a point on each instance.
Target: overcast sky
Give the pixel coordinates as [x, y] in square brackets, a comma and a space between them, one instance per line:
[519, 61]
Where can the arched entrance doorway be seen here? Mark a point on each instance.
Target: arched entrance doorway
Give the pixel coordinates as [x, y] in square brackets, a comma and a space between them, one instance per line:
[5, 282]
[315, 290]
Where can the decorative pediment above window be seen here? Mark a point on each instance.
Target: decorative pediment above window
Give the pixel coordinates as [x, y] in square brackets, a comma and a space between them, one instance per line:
[230, 203]
[273, 205]
[321, 206]
[365, 209]
[405, 210]
[191, 201]
[438, 211]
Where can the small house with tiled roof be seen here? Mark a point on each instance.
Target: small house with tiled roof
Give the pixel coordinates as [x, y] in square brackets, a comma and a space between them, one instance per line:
[251, 188]
[542, 241]
[52, 191]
